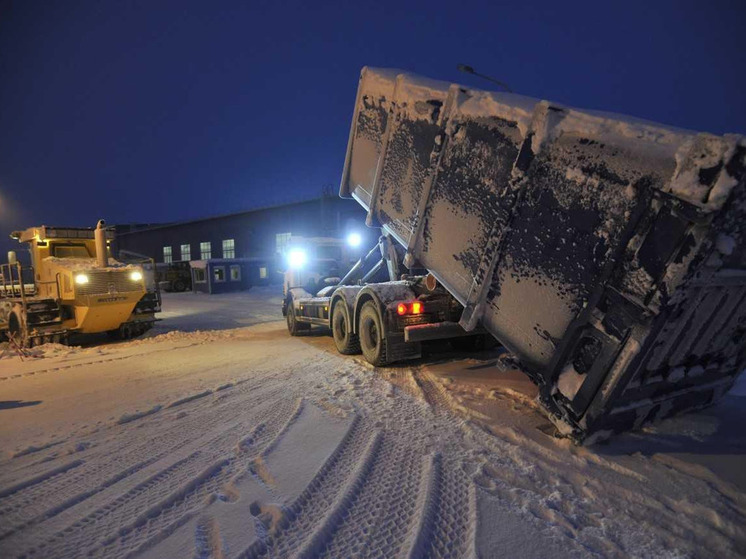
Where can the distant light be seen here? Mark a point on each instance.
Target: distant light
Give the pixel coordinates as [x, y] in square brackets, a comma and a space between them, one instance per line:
[81, 279]
[354, 239]
[297, 258]
[135, 276]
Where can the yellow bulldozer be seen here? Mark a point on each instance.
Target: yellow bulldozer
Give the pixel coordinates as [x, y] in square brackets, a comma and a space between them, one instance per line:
[73, 286]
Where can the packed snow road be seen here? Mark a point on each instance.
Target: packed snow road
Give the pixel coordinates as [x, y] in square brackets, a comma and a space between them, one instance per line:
[244, 442]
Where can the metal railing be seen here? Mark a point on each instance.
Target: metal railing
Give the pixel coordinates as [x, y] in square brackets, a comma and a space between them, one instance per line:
[12, 284]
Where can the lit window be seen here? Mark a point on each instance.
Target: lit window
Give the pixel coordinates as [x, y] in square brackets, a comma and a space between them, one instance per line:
[167, 255]
[282, 240]
[218, 272]
[263, 272]
[186, 252]
[199, 275]
[235, 273]
[205, 250]
[229, 248]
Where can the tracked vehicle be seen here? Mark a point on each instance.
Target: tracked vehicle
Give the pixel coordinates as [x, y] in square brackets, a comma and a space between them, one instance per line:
[608, 254]
[72, 287]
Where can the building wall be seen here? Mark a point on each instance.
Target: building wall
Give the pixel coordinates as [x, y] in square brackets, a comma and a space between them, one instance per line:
[254, 233]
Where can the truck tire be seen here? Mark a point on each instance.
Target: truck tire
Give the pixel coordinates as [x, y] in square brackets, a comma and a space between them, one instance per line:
[294, 327]
[179, 286]
[372, 335]
[346, 341]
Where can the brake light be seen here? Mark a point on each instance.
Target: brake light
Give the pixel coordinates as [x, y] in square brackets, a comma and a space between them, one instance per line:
[415, 307]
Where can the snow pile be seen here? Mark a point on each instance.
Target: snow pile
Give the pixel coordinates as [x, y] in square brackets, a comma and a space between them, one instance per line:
[82, 264]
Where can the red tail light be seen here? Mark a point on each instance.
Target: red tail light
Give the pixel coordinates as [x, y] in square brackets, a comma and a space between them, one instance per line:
[415, 307]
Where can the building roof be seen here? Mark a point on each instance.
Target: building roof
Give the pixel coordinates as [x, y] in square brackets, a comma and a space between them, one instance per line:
[232, 214]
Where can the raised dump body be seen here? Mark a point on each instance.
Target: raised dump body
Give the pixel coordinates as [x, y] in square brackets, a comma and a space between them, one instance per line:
[606, 253]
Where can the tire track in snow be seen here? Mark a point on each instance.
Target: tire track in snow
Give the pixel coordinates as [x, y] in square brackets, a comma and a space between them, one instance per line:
[170, 512]
[427, 502]
[340, 508]
[114, 512]
[55, 494]
[87, 363]
[303, 516]
[379, 521]
[453, 523]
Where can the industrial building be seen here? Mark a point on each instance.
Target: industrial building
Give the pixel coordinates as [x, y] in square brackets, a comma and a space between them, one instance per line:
[255, 234]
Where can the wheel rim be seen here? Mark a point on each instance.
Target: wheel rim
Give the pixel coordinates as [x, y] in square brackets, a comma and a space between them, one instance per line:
[372, 331]
[341, 327]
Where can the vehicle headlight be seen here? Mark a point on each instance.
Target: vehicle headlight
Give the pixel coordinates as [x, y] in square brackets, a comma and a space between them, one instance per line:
[297, 258]
[81, 279]
[354, 239]
[136, 276]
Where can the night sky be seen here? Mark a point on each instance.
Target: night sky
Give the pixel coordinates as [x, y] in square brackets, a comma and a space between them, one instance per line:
[160, 111]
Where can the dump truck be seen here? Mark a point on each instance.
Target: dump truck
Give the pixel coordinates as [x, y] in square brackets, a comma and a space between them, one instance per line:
[606, 253]
[72, 287]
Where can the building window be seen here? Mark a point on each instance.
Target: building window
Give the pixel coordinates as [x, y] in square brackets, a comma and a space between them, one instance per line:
[229, 248]
[263, 272]
[235, 273]
[186, 252]
[199, 275]
[218, 272]
[282, 240]
[167, 255]
[205, 250]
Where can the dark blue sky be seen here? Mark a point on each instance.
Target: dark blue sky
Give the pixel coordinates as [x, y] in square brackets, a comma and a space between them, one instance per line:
[157, 110]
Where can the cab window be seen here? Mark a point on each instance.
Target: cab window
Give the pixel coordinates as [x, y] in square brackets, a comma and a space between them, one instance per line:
[70, 250]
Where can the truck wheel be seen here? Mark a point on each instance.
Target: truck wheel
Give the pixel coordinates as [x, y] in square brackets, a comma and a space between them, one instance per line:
[347, 343]
[372, 335]
[294, 327]
[179, 286]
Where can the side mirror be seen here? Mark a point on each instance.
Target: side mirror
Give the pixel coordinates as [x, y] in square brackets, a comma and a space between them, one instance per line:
[12, 258]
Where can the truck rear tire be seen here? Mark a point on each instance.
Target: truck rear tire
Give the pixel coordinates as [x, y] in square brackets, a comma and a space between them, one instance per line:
[346, 341]
[294, 327]
[372, 335]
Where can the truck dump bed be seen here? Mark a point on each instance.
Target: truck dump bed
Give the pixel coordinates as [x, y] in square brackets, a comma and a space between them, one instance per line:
[607, 253]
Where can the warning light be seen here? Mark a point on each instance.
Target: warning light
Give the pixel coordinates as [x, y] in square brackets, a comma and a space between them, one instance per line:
[416, 307]
[401, 309]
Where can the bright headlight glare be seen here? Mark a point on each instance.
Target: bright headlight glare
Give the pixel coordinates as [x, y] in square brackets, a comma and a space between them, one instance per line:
[135, 276]
[81, 279]
[297, 258]
[354, 239]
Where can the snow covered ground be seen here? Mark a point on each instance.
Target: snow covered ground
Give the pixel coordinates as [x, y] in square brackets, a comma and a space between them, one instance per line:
[219, 435]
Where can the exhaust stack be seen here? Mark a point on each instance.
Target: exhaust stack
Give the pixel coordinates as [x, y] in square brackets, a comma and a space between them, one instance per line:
[102, 259]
